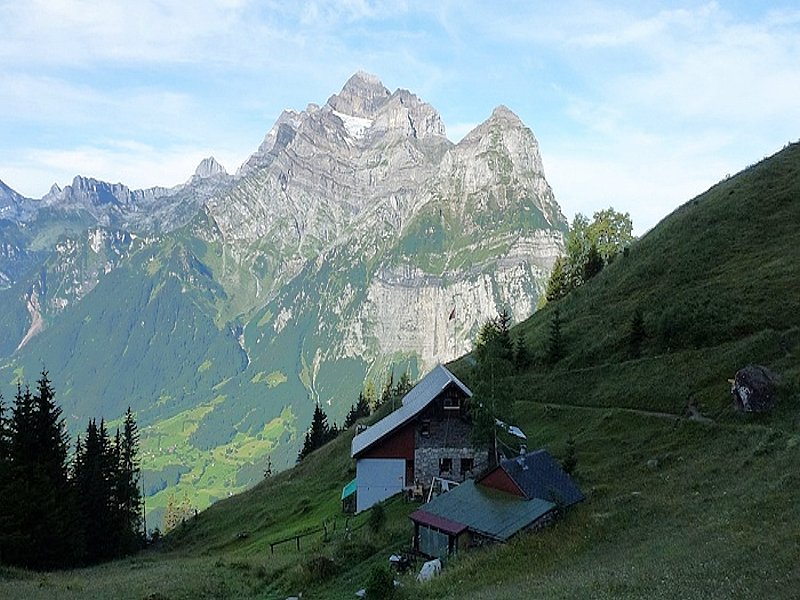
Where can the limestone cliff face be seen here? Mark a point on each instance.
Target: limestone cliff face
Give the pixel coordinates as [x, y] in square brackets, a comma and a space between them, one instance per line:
[370, 179]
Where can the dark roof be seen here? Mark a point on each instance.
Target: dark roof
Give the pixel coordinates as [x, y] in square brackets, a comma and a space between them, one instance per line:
[413, 403]
[538, 475]
[446, 525]
[489, 512]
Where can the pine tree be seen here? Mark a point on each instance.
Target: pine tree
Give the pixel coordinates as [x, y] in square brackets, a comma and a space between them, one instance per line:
[318, 434]
[387, 393]
[637, 335]
[558, 284]
[555, 346]
[594, 263]
[93, 485]
[42, 511]
[6, 524]
[401, 389]
[129, 495]
[522, 358]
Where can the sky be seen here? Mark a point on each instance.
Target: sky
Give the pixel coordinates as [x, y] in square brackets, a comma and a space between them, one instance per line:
[636, 105]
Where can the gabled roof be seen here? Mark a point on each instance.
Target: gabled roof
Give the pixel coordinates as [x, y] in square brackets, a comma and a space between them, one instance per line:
[538, 475]
[489, 512]
[413, 403]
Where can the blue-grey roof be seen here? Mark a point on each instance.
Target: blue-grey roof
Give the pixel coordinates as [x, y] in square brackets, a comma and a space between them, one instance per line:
[414, 402]
[489, 512]
[538, 475]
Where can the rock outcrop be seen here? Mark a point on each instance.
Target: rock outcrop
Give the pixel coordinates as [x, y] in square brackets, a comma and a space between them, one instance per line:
[753, 389]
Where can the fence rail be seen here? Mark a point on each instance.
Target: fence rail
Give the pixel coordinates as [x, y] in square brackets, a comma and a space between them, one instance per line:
[326, 530]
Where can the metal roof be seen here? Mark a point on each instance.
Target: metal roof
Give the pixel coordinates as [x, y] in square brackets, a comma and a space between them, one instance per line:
[489, 512]
[440, 523]
[414, 402]
[538, 475]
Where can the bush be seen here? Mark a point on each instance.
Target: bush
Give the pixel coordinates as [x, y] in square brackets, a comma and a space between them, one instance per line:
[380, 584]
[377, 518]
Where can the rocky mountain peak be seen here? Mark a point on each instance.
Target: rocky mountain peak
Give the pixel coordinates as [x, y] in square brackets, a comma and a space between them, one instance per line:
[9, 201]
[502, 112]
[362, 96]
[209, 167]
[507, 139]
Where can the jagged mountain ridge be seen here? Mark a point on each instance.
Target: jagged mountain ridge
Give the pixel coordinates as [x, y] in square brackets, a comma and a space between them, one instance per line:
[340, 247]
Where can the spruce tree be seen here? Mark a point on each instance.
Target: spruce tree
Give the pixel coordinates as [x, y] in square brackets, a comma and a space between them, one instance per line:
[357, 411]
[637, 335]
[594, 263]
[93, 488]
[129, 495]
[558, 285]
[6, 524]
[522, 358]
[43, 505]
[318, 434]
[555, 345]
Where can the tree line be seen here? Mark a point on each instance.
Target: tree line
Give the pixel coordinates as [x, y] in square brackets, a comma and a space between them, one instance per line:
[60, 509]
[590, 246]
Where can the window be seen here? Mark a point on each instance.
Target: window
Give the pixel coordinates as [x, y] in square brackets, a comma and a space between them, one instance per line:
[425, 428]
[452, 403]
[445, 466]
[467, 464]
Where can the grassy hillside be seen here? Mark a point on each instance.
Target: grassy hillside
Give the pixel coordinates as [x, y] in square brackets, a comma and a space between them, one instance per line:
[676, 507]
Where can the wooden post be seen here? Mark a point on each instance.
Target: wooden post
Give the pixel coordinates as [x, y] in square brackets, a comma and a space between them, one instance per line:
[298, 542]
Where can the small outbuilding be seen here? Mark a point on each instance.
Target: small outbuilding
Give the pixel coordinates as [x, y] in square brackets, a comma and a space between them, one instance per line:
[521, 493]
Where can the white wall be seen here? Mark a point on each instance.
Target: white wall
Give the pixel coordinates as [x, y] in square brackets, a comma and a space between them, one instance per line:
[378, 479]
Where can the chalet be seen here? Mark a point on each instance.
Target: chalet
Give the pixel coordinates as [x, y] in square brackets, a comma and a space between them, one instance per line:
[428, 436]
[519, 494]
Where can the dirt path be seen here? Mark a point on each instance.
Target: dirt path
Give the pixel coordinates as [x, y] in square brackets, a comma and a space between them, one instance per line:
[691, 413]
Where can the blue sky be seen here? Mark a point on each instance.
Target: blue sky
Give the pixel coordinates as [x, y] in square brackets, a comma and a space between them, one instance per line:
[636, 105]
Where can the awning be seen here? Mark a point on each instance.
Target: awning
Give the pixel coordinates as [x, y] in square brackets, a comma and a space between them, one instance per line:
[350, 489]
[446, 525]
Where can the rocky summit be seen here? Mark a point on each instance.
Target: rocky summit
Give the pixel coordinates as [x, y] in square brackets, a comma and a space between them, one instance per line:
[356, 238]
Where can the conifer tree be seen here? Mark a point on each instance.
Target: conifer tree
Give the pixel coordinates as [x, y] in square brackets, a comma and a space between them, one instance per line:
[522, 358]
[6, 525]
[129, 496]
[93, 485]
[318, 434]
[637, 335]
[357, 411]
[401, 388]
[594, 263]
[555, 345]
[558, 285]
[43, 505]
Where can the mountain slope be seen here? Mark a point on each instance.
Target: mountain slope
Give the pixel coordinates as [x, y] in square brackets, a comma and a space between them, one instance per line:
[221, 310]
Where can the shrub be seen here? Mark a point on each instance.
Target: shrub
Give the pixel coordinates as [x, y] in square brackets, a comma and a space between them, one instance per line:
[377, 518]
[380, 585]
